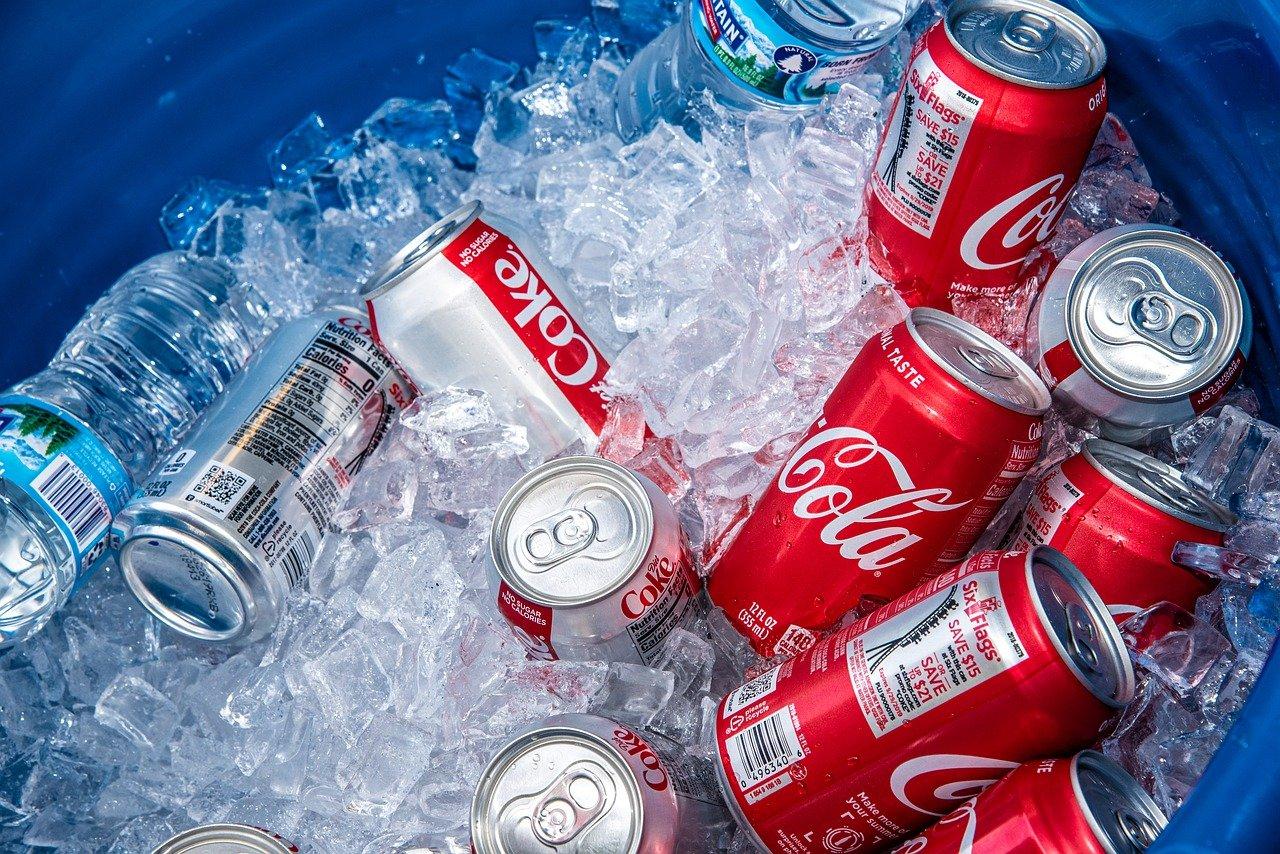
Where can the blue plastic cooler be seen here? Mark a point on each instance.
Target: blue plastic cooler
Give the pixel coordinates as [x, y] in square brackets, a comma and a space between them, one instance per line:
[110, 106]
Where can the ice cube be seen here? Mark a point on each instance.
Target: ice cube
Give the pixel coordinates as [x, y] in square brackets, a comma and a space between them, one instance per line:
[379, 494]
[414, 124]
[1174, 646]
[193, 206]
[633, 694]
[301, 153]
[384, 765]
[349, 682]
[134, 708]
[1223, 563]
[1239, 455]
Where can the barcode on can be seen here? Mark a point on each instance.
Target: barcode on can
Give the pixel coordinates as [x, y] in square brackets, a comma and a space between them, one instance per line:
[297, 560]
[764, 748]
[219, 487]
[74, 499]
[761, 686]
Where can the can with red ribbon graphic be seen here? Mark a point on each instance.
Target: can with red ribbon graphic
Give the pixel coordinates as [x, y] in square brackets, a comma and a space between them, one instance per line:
[1083, 805]
[588, 561]
[925, 436]
[1141, 327]
[1118, 513]
[887, 724]
[469, 303]
[996, 115]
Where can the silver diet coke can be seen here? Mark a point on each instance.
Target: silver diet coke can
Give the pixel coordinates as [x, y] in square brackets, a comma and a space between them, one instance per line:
[580, 784]
[1142, 327]
[213, 541]
[589, 562]
[468, 303]
[226, 839]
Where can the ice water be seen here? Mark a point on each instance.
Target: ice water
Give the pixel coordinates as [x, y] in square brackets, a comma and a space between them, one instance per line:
[754, 53]
[134, 372]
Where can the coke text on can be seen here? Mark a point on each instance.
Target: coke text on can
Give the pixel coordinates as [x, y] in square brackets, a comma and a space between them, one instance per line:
[997, 113]
[925, 436]
[886, 725]
[470, 302]
[588, 560]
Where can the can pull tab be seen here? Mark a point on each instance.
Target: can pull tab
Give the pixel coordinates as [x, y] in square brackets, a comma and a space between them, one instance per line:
[1148, 310]
[1082, 638]
[557, 537]
[1138, 830]
[988, 361]
[574, 801]
[1029, 31]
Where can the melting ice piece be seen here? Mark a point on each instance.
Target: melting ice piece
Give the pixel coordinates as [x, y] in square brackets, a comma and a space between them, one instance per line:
[1174, 646]
[1240, 455]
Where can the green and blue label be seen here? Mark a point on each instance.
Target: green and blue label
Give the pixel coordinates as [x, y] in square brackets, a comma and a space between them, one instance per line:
[60, 463]
[749, 45]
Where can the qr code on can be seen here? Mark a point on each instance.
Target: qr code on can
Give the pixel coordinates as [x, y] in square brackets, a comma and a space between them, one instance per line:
[219, 487]
[761, 686]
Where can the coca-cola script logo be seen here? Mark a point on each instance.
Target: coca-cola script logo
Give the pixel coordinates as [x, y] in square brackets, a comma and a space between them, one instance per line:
[556, 327]
[1002, 236]
[935, 783]
[654, 774]
[864, 533]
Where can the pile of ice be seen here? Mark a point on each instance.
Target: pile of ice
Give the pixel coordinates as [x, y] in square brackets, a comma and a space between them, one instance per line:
[725, 256]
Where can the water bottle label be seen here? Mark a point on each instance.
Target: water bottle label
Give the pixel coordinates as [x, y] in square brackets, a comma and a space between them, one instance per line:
[65, 468]
[742, 38]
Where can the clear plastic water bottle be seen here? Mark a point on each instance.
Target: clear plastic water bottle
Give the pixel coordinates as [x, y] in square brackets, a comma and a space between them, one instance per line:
[146, 358]
[783, 54]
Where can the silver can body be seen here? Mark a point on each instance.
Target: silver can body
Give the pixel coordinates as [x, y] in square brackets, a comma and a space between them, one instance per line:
[223, 528]
[588, 561]
[472, 303]
[581, 784]
[1142, 327]
[226, 839]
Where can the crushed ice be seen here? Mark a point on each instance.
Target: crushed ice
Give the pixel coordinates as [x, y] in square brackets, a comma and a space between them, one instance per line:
[725, 256]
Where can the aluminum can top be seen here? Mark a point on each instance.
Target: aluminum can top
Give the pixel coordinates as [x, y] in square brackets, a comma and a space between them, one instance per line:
[421, 249]
[1081, 628]
[558, 788]
[1156, 484]
[1032, 42]
[1152, 313]
[571, 531]
[1122, 816]
[979, 361]
[225, 839]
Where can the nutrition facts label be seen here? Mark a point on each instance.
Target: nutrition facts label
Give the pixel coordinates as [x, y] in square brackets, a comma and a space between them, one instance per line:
[952, 640]
[930, 125]
[671, 610]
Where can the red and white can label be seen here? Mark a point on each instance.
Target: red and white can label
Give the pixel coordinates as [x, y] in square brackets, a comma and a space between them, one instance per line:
[931, 123]
[535, 314]
[530, 622]
[937, 648]
[1051, 502]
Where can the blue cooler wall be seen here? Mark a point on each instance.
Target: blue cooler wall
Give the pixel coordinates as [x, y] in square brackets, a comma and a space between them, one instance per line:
[112, 105]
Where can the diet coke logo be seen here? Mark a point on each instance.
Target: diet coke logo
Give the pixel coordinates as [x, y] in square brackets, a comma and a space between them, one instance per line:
[580, 362]
[933, 784]
[864, 533]
[1002, 236]
[656, 578]
[652, 771]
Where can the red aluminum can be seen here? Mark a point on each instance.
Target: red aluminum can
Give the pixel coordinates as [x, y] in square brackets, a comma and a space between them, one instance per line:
[995, 118]
[896, 719]
[921, 441]
[1083, 805]
[1118, 513]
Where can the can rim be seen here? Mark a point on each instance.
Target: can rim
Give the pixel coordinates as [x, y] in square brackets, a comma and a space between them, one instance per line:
[1083, 260]
[1123, 782]
[502, 518]
[557, 726]
[1096, 451]
[978, 335]
[421, 249]
[1126, 684]
[242, 834]
[176, 527]
[1093, 42]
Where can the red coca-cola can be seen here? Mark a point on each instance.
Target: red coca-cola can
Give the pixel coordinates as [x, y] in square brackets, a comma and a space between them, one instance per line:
[921, 441]
[995, 118]
[1118, 513]
[888, 723]
[1083, 805]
